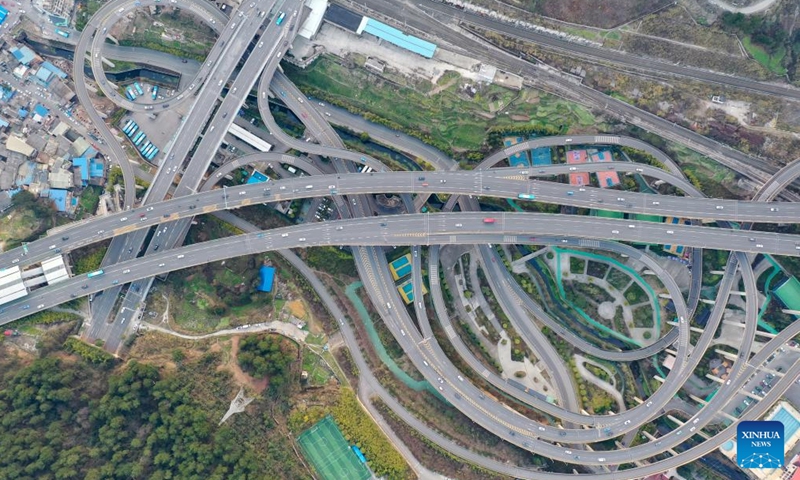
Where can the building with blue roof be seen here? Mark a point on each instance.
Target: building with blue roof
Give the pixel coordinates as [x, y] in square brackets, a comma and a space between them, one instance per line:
[56, 71]
[41, 110]
[81, 164]
[43, 77]
[95, 168]
[24, 55]
[396, 37]
[267, 278]
[257, 177]
[3, 15]
[22, 113]
[3, 123]
[6, 94]
[59, 198]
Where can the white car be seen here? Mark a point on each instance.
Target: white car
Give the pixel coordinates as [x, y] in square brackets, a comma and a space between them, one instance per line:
[161, 264]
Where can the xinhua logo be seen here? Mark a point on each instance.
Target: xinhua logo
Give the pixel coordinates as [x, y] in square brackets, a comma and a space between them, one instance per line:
[759, 444]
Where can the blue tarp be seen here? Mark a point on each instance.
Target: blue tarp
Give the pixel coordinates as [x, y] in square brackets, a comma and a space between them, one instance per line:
[59, 197]
[267, 275]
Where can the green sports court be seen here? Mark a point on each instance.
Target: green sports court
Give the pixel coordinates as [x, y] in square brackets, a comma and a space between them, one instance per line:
[325, 447]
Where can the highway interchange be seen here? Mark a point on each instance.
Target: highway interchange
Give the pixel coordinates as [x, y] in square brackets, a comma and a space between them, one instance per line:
[213, 114]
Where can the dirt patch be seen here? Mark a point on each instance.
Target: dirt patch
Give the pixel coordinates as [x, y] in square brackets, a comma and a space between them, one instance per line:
[739, 110]
[297, 308]
[605, 14]
[239, 376]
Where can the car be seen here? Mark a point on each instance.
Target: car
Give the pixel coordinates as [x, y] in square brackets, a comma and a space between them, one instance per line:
[41, 305]
[692, 429]
[100, 232]
[601, 459]
[242, 193]
[156, 248]
[542, 429]
[161, 264]
[65, 238]
[620, 199]
[261, 44]
[758, 245]
[648, 404]
[615, 232]
[627, 422]
[656, 203]
[459, 225]
[581, 189]
[127, 270]
[85, 287]
[773, 209]
[670, 232]
[123, 219]
[572, 169]
[340, 227]
[719, 207]
[302, 239]
[284, 235]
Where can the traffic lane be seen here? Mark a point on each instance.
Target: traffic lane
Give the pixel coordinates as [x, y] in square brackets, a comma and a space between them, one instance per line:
[105, 18]
[297, 188]
[107, 278]
[531, 335]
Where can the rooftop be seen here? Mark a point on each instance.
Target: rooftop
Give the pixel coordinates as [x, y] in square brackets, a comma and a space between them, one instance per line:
[396, 37]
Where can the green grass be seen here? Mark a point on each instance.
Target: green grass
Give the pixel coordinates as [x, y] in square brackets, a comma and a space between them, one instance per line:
[195, 43]
[120, 66]
[773, 63]
[318, 373]
[89, 199]
[455, 119]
